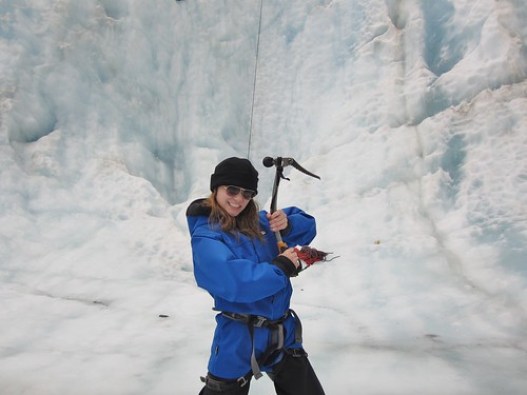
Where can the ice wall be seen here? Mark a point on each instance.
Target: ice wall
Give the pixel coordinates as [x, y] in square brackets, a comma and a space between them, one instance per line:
[415, 94]
[159, 83]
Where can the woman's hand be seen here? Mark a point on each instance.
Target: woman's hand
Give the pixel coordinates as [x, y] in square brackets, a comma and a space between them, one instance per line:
[290, 254]
[277, 220]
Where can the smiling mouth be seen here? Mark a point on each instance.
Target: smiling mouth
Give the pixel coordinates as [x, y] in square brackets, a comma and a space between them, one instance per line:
[234, 205]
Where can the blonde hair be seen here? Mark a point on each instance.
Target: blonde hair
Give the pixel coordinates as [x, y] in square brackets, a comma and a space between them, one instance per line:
[247, 222]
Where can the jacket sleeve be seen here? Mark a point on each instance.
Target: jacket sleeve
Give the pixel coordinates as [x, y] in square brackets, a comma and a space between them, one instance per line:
[301, 228]
[221, 273]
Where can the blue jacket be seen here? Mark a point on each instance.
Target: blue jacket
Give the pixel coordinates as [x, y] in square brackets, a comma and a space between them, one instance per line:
[239, 274]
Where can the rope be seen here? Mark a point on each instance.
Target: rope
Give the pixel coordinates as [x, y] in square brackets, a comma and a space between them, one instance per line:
[254, 80]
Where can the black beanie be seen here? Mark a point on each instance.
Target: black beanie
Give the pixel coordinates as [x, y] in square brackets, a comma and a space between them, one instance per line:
[235, 171]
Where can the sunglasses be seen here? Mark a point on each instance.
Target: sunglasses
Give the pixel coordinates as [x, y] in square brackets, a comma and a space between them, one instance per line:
[235, 191]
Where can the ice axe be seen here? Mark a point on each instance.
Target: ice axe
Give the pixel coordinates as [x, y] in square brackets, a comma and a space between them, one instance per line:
[280, 163]
[307, 255]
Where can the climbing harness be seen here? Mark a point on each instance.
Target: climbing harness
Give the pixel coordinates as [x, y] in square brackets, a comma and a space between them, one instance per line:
[276, 327]
[225, 386]
[270, 355]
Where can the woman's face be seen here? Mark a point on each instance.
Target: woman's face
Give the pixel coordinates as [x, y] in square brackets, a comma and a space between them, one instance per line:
[232, 203]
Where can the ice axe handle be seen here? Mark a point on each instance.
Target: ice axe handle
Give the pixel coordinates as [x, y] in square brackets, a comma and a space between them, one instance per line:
[281, 244]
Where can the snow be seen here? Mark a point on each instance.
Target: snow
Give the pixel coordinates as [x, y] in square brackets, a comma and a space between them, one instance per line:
[113, 114]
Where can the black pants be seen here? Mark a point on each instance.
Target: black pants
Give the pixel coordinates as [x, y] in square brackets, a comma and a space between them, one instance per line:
[294, 375]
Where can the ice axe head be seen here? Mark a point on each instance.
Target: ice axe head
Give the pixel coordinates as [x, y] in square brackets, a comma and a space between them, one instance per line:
[280, 163]
[269, 162]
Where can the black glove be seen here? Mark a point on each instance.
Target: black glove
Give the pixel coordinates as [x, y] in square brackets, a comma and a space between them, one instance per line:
[286, 265]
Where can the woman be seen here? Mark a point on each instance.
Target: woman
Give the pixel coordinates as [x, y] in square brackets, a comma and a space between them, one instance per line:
[236, 259]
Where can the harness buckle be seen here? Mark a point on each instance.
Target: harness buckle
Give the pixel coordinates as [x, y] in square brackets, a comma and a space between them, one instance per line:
[259, 321]
[297, 352]
[242, 381]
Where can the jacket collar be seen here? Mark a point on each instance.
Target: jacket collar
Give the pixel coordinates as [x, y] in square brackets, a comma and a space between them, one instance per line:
[197, 208]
